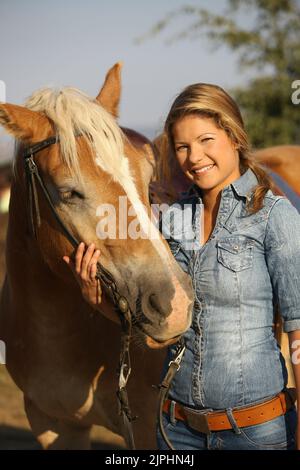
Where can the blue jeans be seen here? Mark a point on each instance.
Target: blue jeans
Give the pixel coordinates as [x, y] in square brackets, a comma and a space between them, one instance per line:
[277, 434]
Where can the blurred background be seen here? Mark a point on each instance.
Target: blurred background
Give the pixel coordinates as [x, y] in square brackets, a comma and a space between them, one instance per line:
[249, 47]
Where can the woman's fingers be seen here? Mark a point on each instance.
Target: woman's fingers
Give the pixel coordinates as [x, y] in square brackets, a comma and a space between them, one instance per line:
[93, 271]
[95, 257]
[99, 292]
[85, 270]
[78, 257]
[86, 261]
[93, 265]
[85, 265]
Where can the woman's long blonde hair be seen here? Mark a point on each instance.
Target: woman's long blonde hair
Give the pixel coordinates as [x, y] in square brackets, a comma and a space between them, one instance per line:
[212, 101]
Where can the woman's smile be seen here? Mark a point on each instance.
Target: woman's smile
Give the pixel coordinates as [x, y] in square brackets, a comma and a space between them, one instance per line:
[203, 170]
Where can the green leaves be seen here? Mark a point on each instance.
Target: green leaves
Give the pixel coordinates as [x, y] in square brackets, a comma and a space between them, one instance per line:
[270, 116]
[271, 46]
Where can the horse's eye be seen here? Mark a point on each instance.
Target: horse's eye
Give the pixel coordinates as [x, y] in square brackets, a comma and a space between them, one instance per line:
[72, 194]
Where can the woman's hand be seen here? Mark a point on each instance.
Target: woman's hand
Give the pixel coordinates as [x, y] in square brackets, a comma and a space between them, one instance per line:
[85, 269]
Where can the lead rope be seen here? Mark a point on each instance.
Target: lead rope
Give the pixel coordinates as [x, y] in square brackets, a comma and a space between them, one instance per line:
[124, 368]
[164, 386]
[124, 373]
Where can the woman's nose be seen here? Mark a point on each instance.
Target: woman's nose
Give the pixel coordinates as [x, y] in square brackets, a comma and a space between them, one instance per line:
[195, 154]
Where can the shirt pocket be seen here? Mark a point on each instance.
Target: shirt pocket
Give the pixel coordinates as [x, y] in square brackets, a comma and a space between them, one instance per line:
[235, 253]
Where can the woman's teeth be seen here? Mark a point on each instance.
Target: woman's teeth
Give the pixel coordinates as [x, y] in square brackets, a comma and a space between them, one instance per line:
[204, 169]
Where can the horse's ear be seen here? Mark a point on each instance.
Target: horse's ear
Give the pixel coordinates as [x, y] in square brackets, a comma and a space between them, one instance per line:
[23, 123]
[109, 95]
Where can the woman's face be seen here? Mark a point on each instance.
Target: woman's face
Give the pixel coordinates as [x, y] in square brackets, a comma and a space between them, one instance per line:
[205, 153]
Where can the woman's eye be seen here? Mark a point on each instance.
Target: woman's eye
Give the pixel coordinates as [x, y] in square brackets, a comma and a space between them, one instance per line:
[181, 148]
[207, 139]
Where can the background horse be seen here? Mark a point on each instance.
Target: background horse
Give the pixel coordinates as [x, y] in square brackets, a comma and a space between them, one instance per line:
[62, 353]
[283, 160]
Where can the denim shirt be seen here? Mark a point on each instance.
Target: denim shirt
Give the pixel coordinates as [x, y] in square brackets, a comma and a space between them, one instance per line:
[250, 263]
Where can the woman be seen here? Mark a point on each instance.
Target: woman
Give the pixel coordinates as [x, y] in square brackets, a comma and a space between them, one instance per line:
[230, 390]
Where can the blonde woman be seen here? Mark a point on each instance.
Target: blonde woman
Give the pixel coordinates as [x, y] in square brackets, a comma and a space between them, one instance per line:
[230, 391]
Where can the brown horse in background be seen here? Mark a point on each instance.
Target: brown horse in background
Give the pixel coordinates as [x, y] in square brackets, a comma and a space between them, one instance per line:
[61, 352]
[283, 160]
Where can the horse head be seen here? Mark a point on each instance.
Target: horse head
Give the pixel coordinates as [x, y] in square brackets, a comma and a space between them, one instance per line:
[93, 170]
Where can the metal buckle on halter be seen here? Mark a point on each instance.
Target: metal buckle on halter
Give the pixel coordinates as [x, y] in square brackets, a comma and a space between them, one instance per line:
[125, 371]
[180, 350]
[31, 164]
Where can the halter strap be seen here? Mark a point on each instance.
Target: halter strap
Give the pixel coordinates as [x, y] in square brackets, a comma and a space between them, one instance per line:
[30, 151]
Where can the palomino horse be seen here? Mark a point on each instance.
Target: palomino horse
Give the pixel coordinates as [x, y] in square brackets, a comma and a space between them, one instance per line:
[284, 160]
[61, 352]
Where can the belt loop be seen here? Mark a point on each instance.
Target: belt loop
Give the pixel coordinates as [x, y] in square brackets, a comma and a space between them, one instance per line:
[233, 421]
[172, 412]
[282, 397]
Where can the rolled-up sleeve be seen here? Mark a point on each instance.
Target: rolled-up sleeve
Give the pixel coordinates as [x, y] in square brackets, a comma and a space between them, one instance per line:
[282, 251]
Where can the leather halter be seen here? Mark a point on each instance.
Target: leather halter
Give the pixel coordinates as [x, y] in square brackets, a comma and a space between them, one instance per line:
[105, 277]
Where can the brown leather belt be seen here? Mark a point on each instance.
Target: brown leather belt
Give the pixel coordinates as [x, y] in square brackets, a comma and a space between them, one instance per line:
[246, 416]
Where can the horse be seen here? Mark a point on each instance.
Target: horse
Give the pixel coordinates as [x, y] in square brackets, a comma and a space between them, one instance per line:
[283, 160]
[62, 353]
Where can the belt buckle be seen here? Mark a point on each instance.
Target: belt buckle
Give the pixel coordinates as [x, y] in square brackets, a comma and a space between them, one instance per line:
[197, 421]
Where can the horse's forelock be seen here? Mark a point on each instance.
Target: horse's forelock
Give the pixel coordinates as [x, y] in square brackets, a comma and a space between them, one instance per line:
[73, 112]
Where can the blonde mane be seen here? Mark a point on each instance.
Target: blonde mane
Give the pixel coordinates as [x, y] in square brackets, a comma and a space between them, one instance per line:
[73, 112]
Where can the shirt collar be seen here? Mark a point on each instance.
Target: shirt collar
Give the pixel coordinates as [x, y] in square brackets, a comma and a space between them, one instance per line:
[242, 186]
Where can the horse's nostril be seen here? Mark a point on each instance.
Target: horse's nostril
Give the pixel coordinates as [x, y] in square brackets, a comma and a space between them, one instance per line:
[139, 316]
[153, 302]
[156, 304]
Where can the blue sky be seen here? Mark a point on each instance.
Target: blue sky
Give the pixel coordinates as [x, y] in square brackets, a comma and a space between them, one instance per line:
[73, 42]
